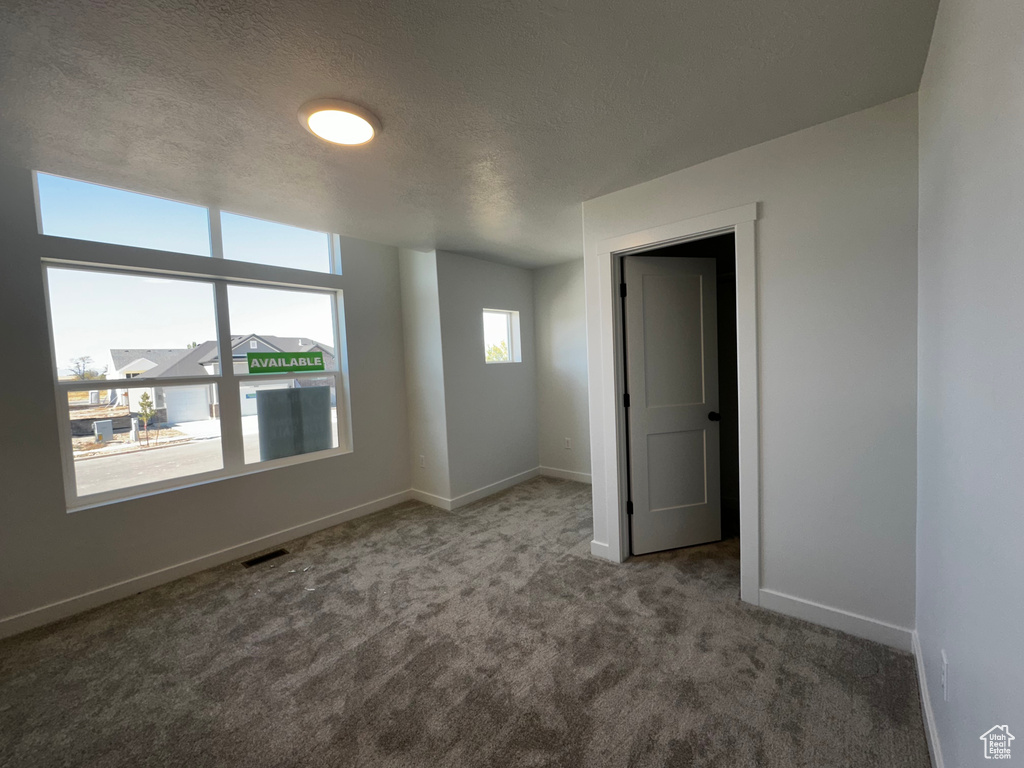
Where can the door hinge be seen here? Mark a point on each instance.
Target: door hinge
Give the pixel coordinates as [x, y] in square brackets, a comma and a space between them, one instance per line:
[622, 290]
[629, 507]
[625, 400]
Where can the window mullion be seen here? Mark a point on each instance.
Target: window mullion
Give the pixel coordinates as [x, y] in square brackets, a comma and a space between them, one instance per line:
[230, 405]
[335, 250]
[216, 239]
[341, 430]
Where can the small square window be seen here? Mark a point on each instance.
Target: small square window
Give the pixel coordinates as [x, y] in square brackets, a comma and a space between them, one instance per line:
[253, 344]
[501, 336]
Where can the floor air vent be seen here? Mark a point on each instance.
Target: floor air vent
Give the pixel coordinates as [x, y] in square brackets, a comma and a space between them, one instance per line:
[263, 558]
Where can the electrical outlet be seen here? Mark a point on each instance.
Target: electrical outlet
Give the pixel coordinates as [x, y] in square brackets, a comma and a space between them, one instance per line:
[945, 676]
[423, 460]
[568, 443]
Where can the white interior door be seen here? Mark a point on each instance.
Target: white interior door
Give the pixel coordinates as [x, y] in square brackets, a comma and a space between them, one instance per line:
[672, 382]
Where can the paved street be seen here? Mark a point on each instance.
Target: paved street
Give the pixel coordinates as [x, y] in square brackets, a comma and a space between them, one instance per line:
[149, 466]
[123, 470]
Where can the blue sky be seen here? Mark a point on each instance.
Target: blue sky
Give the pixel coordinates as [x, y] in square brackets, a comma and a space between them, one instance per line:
[266, 242]
[84, 211]
[94, 311]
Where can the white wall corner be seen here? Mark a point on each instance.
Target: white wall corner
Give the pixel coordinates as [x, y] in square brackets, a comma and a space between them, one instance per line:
[432, 499]
[480, 493]
[931, 730]
[488, 490]
[566, 474]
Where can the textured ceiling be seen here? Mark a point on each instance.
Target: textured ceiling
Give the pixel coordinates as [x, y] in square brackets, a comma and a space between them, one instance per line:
[499, 117]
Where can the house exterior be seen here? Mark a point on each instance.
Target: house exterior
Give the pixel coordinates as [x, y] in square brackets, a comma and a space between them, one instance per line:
[176, 404]
[132, 363]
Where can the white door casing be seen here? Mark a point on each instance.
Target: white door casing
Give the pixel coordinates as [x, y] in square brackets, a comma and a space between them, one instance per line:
[606, 379]
[671, 359]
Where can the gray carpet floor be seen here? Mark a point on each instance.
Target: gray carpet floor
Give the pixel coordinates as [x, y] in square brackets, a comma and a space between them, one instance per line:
[487, 636]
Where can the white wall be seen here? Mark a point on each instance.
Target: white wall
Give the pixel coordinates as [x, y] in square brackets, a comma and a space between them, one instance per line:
[558, 298]
[970, 553]
[491, 409]
[424, 370]
[48, 555]
[837, 297]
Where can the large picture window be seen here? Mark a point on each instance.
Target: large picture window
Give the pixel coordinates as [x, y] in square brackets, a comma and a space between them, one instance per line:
[146, 397]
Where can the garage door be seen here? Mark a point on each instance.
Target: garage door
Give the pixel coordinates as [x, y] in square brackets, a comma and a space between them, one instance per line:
[187, 404]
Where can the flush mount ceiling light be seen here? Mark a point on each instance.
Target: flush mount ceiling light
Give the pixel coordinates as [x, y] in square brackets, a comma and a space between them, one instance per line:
[339, 122]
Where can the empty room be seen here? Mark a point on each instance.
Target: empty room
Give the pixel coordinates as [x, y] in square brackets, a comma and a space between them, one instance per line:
[512, 384]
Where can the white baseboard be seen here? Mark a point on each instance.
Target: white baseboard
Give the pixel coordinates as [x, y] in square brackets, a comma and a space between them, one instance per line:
[431, 499]
[480, 493]
[602, 550]
[487, 490]
[931, 731]
[37, 617]
[566, 474]
[834, 618]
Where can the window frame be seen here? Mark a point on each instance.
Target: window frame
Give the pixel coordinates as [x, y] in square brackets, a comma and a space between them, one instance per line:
[69, 253]
[39, 212]
[512, 329]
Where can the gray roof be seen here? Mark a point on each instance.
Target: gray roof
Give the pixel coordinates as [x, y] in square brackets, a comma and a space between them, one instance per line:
[187, 363]
[280, 343]
[121, 357]
[190, 362]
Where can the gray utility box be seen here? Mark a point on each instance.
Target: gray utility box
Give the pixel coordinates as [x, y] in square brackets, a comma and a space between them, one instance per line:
[104, 430]
[293, 421]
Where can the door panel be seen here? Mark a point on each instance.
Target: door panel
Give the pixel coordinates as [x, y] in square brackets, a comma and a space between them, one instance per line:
[672, 326]
[672, 379]
[676, 469]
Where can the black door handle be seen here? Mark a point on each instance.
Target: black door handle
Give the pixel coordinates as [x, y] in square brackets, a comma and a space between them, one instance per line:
[714, 416]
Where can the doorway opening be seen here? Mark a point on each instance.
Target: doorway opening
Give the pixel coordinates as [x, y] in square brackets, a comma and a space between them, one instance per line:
[681, 393]
[605, 367]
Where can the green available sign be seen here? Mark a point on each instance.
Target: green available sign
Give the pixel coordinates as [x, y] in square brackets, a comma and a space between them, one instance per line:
[285, 362]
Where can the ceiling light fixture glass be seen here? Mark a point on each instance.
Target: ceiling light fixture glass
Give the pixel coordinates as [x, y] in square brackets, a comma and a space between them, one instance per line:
[340, 122]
